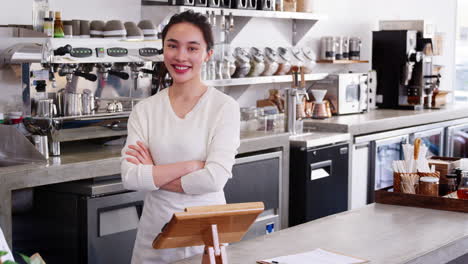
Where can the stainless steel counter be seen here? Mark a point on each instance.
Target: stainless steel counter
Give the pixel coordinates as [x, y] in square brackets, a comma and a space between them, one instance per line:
[85, 160]
[385, 119]
[377, 232]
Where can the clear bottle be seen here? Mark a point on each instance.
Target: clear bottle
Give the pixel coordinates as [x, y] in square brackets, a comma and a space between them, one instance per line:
[39, 11]
[58, 26]
[49, 26]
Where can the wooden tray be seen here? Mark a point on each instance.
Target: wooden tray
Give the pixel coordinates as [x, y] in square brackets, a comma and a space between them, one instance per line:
[383, 196]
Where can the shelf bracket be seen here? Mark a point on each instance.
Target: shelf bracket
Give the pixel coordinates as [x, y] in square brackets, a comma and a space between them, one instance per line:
[300, 29]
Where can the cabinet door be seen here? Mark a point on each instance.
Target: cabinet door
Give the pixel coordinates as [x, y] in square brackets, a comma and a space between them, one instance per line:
[433, 139]
[457, 141]
[327, 181]
[385, 152]
[359, 175]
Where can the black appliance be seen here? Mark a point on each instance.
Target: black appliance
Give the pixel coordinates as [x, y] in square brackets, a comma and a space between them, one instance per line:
[318, 182]
[396, 58]
[90, 221]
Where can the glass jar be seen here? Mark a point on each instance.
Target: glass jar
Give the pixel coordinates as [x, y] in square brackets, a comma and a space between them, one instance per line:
[289, 5]
[257, 63]
[309, 59]
[284, 61]
[297, 58]
[249, 119]
[462, 191]
[450, 186]
[271, 62]
[271, 122]
[279, 123]
[429, 186]
[242, 63]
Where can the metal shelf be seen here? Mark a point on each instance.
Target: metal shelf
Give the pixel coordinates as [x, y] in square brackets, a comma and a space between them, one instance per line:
[263, 80]
[251, 13]
[342, 61]
[101, 115]
[302, 22]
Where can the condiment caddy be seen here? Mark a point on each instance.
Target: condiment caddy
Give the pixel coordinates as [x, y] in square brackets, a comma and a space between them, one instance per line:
[418, 184]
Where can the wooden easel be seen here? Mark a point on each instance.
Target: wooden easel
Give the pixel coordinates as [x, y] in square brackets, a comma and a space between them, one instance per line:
[210, 226]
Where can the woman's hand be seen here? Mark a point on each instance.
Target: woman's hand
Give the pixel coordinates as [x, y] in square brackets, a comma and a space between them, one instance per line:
[140, 154]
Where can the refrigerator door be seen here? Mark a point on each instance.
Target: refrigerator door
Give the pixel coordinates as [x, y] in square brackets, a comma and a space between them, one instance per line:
[384, 152]
[433, 139]
[457, 141]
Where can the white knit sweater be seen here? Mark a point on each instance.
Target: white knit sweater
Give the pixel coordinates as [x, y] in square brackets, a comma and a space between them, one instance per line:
[210, 132]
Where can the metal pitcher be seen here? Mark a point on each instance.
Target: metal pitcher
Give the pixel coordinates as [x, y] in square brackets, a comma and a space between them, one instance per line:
[46, 108]
[73, 104]
[89, 104]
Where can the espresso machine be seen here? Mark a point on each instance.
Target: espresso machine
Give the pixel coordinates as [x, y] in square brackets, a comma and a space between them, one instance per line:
[77, 89]
[402, 57]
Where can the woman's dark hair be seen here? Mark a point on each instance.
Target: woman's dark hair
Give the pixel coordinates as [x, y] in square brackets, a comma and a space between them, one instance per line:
[195, 19]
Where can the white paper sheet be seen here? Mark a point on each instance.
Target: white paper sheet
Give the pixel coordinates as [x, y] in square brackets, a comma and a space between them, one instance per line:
[317, 256]
[4, 247]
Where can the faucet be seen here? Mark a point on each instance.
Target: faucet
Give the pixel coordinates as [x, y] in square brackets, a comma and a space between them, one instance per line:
[294, 96]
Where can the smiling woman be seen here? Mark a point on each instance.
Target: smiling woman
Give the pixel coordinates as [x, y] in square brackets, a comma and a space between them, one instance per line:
[182, 141]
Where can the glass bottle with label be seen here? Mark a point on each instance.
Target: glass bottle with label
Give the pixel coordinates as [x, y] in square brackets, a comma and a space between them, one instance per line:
[58, 26]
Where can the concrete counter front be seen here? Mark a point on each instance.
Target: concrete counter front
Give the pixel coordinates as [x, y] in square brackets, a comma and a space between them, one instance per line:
[84, 160]
[377, 232]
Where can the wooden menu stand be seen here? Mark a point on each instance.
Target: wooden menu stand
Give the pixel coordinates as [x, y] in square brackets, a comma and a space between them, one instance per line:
[210, 226]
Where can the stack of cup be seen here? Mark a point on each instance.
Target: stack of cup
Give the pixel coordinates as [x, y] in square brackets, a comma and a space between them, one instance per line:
[133, 32]
[97, 29]
[76, 27]
[149, 30]
[84, 29]
[115, 29]
[68, 29]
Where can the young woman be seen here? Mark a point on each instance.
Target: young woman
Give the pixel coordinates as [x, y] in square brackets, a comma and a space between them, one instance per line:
[182, 142]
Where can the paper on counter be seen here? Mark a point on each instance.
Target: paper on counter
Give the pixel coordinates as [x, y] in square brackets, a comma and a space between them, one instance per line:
[317, 256]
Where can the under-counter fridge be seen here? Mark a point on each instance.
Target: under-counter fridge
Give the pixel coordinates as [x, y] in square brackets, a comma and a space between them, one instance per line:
[372, 157]
[457, 141]
[318, 182]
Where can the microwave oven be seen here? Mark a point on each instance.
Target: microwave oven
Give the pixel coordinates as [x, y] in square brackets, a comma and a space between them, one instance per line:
[347, 92]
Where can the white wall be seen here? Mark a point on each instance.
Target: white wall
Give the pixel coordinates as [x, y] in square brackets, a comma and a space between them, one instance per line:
[20, 11]
[357, 18]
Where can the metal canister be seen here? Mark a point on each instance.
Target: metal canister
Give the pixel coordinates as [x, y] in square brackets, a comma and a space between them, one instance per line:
[345, 47]
[355, 48]
[328, 48]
